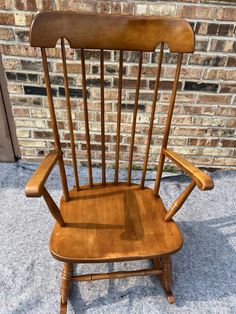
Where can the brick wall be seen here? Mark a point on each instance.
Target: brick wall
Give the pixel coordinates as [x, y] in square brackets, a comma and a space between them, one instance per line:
[204, 122]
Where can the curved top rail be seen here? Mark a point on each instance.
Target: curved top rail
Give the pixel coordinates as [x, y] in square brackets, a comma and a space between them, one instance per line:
[116, 32]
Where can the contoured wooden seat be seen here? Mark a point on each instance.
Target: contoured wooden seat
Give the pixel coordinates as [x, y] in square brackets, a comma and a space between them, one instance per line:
[112, 221]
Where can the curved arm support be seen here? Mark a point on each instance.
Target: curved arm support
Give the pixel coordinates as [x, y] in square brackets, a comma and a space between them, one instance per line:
[35, 185]
[179, 201]
[55, 211]
[202, 180]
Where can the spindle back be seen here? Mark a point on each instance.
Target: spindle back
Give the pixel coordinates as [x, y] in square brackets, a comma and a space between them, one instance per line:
[110, 32]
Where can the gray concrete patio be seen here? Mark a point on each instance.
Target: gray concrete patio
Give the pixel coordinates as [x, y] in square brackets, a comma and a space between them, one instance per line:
[204, 270]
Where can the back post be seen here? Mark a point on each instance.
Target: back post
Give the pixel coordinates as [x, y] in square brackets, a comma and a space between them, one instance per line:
[54, 125]
[167, 125]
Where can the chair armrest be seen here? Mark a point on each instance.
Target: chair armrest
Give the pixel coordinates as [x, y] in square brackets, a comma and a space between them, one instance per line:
[203, 181]
[35, 185]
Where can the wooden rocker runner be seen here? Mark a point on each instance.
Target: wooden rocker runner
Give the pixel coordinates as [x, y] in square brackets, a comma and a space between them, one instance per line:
[112, 221]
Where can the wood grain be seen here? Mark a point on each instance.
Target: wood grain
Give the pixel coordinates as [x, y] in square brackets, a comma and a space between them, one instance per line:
[97, 31]
[54, 124]
[131, 152]
[105, 222]
[179, 201]
[116, 179]
[35, 185]
[113, 223]
[103, 148]
[167, 125]
[69, 116]
[149, 138]
[117, 274]
[86, 118]
[203, 181]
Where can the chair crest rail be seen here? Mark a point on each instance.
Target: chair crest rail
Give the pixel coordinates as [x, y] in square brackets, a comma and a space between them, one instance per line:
[136, 33]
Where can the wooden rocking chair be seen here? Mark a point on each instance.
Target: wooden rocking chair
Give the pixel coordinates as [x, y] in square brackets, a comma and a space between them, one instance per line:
[112, 221]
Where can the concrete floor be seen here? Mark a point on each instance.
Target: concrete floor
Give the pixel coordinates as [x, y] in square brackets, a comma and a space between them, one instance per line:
[204, 270]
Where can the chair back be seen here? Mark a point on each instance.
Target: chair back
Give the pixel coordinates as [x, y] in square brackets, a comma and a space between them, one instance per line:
[110, 32]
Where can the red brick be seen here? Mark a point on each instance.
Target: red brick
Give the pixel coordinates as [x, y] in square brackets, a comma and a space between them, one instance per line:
[197, 12]
[228, 143]
[214, 99]
[129, 83]
[7, 4]
[19, 50]
[21, 112]
[207, 60]
[203, 142]
[150, 71]
[7, 19]
[227, 88]
[29, 5]
[186, 72]
[165, 85]
[214, 29]
[6, 34]
[226, 14]
[231, 62]
[103, 7]
[215, 74]
[115, 7]
[127, 8]
[223, 45]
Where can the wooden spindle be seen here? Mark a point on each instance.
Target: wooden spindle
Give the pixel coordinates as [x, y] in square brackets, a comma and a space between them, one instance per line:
[102, 118]
[152, 116]
[52, 206]
[68, 108]
[54, 125]
[117, 275]
[179, 201]
[167, 125]
[118, 118]
[90, 174]
[67, 272]
[134, 118]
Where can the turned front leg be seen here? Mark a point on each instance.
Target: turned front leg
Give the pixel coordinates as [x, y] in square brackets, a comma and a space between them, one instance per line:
[66, 281]
[167, 272]
[165, 264]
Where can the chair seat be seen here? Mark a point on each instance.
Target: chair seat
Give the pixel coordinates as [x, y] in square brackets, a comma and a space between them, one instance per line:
[112, 223]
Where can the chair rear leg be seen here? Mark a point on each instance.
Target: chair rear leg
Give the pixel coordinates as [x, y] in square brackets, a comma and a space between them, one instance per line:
[165, 263]
[65, 286]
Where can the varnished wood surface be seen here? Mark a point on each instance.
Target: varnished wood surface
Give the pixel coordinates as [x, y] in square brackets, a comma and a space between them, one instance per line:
[117, 159]
[203, 181]
[69, 115]
[67, 272]
[117, 274]
[167, 124]
[103, 146]
[116, 222]
[52, 206]
[54, 123]
[112, 221]
[165, 264]
[131, 152]
[97, 31]
[86, 119]
[179, 201]
[149, 138]
[35, 185]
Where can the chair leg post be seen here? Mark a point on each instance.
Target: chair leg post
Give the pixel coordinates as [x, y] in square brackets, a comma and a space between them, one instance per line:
[166, 277]
[65, 285]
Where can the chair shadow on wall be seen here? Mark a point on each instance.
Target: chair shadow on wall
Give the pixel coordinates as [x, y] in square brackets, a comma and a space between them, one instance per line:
[203, 269]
